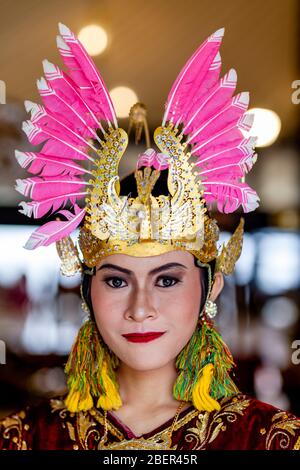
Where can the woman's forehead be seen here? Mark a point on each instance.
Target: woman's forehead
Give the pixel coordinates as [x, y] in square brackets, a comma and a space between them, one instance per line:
[148, 262]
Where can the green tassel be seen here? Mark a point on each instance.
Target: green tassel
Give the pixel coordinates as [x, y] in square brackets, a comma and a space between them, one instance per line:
[206, 346]
[85, 366]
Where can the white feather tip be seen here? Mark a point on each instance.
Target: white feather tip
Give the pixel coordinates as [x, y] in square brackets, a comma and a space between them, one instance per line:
[29, 105]
[21, 157]
[218, 34]
[61, 44]
[64, 30]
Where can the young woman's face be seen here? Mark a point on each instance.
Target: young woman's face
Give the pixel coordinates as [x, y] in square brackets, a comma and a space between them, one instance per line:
[156, 294]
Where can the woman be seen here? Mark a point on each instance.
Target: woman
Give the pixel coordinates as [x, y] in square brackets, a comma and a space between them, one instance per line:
[148, 370]
[147, 310]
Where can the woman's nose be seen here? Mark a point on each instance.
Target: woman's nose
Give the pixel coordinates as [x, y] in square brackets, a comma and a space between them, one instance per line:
[141, 306]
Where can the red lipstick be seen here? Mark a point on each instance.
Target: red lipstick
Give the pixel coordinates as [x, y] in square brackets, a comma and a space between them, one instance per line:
[143, 337]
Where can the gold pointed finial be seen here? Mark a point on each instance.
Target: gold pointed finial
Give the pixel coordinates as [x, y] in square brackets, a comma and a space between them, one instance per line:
[138, 120]
[231, 251]
[69, 257]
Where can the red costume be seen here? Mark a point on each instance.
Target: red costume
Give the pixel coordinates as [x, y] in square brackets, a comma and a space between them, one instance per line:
[243, 423]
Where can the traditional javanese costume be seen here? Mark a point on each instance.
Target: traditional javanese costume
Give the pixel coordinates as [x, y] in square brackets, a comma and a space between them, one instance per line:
[203, 149]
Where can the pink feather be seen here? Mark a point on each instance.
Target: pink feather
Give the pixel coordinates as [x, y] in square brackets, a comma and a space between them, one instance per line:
[213, 121]
[150, 158]
[230, 196]
[211, 103]
[55, 143]
[39, 189]
[228, 115]
[46, 165]
[193, 74]
[228, 135]
[85, 64]
[38, 209]
[55, 230]
[62, 106]
[74, 106]
[66, 88]
[85, 87]
[45, 119]
[237, 153]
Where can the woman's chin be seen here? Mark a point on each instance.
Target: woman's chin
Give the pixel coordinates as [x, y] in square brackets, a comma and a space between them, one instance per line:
[145, 363]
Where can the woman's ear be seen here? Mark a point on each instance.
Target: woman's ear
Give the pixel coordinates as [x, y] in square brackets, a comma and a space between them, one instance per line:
[218, 284]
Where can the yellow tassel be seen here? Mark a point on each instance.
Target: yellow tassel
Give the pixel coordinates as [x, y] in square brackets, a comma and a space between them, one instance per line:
[74, 401]
[111, 398]
[200, 394]
[86, 403]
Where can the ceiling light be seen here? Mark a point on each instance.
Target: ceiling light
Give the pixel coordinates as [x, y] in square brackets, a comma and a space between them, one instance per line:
[93, 38]
[266, 126]
[123, 98]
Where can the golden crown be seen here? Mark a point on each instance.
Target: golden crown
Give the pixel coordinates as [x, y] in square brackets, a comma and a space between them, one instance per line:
[201, 145]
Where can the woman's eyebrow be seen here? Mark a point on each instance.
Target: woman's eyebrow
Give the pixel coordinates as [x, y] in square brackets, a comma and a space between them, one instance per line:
[153, 271]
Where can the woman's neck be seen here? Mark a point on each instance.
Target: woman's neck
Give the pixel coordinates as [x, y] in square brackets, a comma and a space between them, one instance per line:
[147, 389]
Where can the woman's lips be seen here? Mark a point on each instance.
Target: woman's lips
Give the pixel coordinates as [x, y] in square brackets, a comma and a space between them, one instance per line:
[143, 337]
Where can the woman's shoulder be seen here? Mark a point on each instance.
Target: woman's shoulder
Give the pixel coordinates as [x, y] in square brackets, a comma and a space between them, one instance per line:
[37, 426]
[243, 422]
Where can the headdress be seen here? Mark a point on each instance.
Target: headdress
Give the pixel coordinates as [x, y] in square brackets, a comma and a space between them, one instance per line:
[200, 142]
[78, 163]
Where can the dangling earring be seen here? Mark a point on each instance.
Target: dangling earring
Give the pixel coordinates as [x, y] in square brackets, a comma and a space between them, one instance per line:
[91, 370]
[85, 307]
[211, 309]
[204, 365]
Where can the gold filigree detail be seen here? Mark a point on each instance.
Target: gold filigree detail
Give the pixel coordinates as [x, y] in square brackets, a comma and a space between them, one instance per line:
[86, 427]
[297, 445]
[71, 431]
[283, 427]
[145, 181]
[69, 257]
[112, 149]
[57, 404]
[13, 427]
[117, 223]
[209, 425]
[159, 441]
[207, 428]
[148, 225]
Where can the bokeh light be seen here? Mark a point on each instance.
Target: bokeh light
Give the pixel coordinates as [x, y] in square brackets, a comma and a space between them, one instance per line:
[94, 39]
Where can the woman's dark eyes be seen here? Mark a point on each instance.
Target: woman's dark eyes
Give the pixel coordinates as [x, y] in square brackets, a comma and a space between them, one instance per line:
[171, 281]
[116, 282]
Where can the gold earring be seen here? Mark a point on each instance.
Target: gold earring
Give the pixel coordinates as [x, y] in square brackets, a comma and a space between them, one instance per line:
[84, 305]
[211, 309]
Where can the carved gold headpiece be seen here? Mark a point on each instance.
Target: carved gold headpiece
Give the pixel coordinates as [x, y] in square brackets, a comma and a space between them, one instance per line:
[200, 142]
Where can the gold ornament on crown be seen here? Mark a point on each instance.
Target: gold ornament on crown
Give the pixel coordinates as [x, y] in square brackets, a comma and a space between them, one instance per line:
[148, 225]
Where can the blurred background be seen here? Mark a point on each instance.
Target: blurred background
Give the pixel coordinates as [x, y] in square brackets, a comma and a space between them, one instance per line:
[139, 48]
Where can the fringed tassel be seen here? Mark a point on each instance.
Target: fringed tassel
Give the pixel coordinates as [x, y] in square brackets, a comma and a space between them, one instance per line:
[91, 372]
[204, 365]
[200, 392]
[110, 399]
